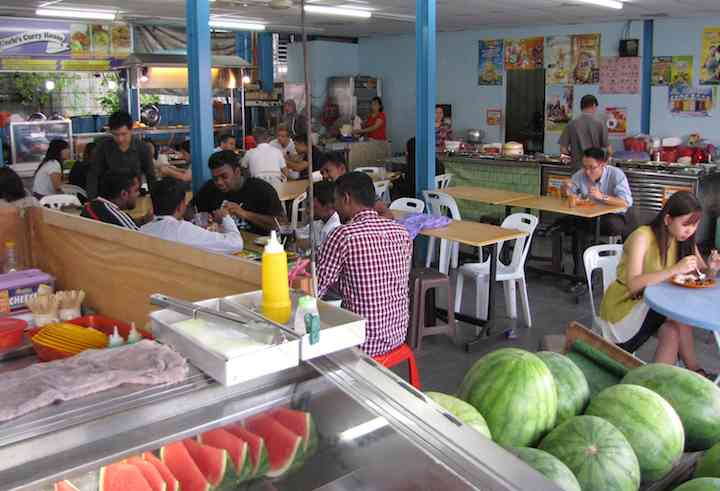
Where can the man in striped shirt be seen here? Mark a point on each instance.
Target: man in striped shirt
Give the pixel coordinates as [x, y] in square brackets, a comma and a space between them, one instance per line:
[119, 191]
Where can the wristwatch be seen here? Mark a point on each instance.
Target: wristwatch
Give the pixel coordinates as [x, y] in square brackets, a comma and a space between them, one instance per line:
[605, 198]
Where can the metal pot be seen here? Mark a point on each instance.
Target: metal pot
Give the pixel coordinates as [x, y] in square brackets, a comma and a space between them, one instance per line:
[475, 136]
[150, 115]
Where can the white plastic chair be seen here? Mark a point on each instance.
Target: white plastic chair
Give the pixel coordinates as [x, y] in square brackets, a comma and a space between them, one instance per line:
[440, 204]
[297, 209]
[382, 190]
[606, 258]
[373, 171]
[74, 190]
[60, 201]
[317, 176]
[442, 181]
[511, 275]
[412, 205]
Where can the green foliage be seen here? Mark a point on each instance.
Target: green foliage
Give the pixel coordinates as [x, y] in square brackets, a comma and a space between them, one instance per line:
[29, 88]
[110, 100]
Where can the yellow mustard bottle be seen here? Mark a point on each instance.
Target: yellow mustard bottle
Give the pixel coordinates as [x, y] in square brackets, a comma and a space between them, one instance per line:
[276, 303]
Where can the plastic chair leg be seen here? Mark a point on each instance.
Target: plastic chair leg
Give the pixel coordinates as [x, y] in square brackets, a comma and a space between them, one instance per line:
[510, 298]
[459, 284]
[430, 252]
[524, 301]
[413, 372]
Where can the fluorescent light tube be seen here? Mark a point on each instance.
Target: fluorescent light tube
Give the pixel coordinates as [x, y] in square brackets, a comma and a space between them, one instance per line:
[237, 26]
[611, 4]
[319, 9]
[76, 14]
[357, 432]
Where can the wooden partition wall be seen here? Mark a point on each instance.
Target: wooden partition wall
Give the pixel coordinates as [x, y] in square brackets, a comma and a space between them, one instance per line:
[119, 269]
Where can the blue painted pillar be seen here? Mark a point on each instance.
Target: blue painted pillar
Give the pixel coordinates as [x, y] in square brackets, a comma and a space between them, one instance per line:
[265, 60]
[199, 89]
[243, 46]
[425, 54]
[134, 103]
[647, 56]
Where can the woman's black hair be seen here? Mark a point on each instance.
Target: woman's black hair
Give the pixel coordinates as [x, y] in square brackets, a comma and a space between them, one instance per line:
[88, 151]
[379, 101]
[11, 186]
[679, 204]
[54, 152]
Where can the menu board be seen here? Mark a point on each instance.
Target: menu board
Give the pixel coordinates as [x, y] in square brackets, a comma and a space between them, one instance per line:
[619, 75]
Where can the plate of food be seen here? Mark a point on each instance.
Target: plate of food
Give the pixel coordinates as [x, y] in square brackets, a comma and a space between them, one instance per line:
[693, 281]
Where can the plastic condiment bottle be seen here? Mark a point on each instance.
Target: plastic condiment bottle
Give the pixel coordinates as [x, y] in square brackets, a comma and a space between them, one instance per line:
[134, 335]
[306, 305]
[115, 339]
[11, 262]
[276, 303]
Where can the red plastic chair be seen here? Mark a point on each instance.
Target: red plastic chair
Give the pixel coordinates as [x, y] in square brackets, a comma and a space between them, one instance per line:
[399, 355]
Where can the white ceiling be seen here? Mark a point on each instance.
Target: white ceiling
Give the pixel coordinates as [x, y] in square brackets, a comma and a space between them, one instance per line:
[394, 16]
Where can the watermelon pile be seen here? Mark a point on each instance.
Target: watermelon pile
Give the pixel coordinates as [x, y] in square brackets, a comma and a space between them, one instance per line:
[271, 444]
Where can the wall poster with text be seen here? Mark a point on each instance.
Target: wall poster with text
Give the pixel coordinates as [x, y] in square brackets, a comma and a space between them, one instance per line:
[558, 107]
[558, 60]
[524, 54]
[490, 64]
[690, 101]
[710, 57]
[616, 120]
[586, 59]
[619, 75]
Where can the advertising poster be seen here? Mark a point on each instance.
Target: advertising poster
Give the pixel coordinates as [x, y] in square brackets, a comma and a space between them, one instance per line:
[558, 60]
[555, 184]
[710, 57]
[682, 71]
[493, 117]
[619, 75]
[661, 70]
[690, 101]
[616, 121]
[558, 108]
[524, 54]
[586, 59]
[120, 40]
[490, 64]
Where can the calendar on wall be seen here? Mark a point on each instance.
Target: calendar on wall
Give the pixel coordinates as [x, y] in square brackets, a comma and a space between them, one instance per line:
[620, 75]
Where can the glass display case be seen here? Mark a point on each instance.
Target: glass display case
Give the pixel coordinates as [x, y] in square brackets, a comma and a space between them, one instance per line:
[369, 431]
[29, 142]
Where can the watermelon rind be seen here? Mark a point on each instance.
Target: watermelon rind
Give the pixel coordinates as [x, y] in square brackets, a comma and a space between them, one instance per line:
[572, 387]
[549, 466]
[515, 392]
[596, 452]
[301, 423]
[267, 427]
[695, 399]
[215, 464]
[193, 479]
[709, 464]
[650, 424]
[258, 450]
[462, 411]
[214, 438]
[597, 377]
[700, 484]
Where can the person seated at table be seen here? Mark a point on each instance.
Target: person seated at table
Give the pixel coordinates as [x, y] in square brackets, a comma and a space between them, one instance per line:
[12, 191]
[79, 171]
[652, 254]
[327, 218]
[168, 198]
[333, 166]
[47, 179]
[265, 161]
[284, 143]
[184, 175]
[119, 191]
[369, 260]
[600, 183]
[301, 164]
[249, 199]
[227, 142]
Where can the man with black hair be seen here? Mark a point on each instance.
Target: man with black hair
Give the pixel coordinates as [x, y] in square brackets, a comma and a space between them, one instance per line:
[333, 166]
[585, 131]
[327, 218]
[301, 164]
[227, 142]
[265, 161]
[249, 199]
[184, 175]
[119, 191]
[369, 260]
[168, 197]
[120, 151]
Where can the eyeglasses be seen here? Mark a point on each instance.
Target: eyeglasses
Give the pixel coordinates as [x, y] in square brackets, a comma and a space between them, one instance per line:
[592, 169]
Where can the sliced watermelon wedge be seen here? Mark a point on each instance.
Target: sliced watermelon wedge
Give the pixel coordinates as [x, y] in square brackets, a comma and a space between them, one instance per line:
[285, 448]
[258, 450]
[300, 423]
[64, 486]
[177, 458]
[214, 463]
[172, 483]
[122, 477]
[237, 448]
[149, 472]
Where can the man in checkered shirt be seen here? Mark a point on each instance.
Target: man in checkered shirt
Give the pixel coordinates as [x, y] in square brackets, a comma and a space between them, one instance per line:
[368, 259]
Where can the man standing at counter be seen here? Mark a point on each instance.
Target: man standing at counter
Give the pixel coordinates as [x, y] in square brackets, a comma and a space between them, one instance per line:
[121, 151]
[585, 131]
[369, 260]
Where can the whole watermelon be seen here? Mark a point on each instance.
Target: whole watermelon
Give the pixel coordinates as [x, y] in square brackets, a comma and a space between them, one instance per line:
[701, 484]
[548, 466]
[709, 465]
[572, 388]
[695, 399]
[515, 392]
[596, 452]
[462, 411]
[649, 423]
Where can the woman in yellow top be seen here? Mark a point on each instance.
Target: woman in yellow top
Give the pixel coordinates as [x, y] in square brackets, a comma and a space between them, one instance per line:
[652, 254]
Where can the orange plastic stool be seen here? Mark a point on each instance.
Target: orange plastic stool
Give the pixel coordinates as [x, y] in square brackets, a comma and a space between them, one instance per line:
[400, 354]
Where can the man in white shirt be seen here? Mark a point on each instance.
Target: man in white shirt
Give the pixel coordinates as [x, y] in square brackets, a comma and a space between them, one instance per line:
[284, 143]
[264, 161]
[327, 219]
[168, 197]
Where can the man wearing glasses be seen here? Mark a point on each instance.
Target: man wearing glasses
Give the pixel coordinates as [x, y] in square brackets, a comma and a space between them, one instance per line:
[121, 152]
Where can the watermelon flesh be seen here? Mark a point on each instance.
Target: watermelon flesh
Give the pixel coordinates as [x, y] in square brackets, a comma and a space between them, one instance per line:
[214, 463]
[236, 448]
[285, 448]
[177, 458]
[258, 450]
[300, 423]
[171, 483]
[122, 477]
[64, 486]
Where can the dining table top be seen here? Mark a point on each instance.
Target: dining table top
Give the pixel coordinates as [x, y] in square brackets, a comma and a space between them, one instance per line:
[485, 195]
[561, 205]
[697, 307]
